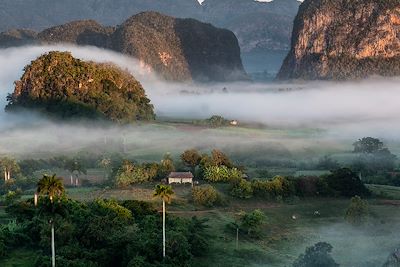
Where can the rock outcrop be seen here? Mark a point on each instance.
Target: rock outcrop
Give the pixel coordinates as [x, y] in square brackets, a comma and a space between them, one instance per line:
[258, 26]
[59, 85]
[344, 39]
[82, 32]
[176, 49]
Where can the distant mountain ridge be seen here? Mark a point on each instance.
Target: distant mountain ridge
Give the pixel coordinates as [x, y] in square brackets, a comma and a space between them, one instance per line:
[258, 26]
[176, 49]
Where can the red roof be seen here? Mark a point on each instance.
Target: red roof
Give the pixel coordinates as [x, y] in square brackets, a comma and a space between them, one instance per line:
[180, 175]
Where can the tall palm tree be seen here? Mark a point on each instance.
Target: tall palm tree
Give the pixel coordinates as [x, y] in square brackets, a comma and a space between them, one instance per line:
[164, 192]
[51, 186]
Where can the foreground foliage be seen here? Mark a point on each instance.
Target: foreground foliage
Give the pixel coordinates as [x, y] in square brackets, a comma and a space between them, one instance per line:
[103, 233]
[316, 256]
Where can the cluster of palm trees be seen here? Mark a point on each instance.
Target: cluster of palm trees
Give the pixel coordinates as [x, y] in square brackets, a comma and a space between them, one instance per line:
[52, 187]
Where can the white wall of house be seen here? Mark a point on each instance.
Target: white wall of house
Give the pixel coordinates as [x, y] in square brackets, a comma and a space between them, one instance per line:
[172, 180]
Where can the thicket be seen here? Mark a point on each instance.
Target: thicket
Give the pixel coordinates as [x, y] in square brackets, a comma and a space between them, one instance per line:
[206, 195]
[103, 233]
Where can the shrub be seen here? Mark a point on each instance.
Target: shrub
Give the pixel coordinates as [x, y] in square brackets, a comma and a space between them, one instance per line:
[310, 186]
[271, 189]
[222, 174]
[128, 174]
[252, 222]
[242, 189]
[206, 195]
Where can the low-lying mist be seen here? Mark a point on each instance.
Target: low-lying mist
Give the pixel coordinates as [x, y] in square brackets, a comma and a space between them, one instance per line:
[339, 111]
[293, 120]
[366, 246]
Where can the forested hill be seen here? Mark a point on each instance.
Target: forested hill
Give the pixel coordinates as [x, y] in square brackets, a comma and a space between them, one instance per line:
[59, 85]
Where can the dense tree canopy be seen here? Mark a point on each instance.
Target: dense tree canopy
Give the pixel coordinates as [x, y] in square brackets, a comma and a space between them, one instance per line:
[60, 85]
[191, 158]
[105, 233]
[316, 256]
[346, 183]
[367, 145]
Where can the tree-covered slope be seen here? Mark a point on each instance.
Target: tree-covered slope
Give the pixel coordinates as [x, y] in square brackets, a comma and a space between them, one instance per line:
[59, 85]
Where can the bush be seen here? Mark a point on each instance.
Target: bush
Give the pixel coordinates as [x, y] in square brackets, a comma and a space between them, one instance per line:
[242, 189]
[214, 121]
[310, 186]
[222, 174]
[271, 189]
[252, 222]
[206, 195]
[128, 173]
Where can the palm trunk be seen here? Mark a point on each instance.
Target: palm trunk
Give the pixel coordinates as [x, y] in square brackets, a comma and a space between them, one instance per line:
[8, 175]
[35, 199]
[237, 238]
[163, 228]
[5, 175]
[53, 247]
[72, 180]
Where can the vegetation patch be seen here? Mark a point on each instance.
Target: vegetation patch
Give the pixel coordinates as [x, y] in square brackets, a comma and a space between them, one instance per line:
[62, 86]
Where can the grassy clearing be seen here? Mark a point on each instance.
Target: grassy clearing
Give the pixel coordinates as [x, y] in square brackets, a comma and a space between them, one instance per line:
[385, 191]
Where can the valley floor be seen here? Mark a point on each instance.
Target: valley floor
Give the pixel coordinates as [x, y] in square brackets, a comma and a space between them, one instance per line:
[291, 227]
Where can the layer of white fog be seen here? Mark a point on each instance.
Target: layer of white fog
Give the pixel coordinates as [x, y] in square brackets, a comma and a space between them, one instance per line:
[342, 111]
[295, 118]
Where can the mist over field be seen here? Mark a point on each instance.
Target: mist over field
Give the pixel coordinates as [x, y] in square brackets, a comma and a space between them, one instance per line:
[337, 111]
[291, 119]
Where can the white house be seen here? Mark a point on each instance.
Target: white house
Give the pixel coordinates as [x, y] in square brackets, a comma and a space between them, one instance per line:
[180, 178]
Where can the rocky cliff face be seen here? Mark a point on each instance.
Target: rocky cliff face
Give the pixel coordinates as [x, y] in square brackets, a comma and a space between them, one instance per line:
[83, 32]
[176, 49]
[258, 26]
[344, 39]
[152, 38]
